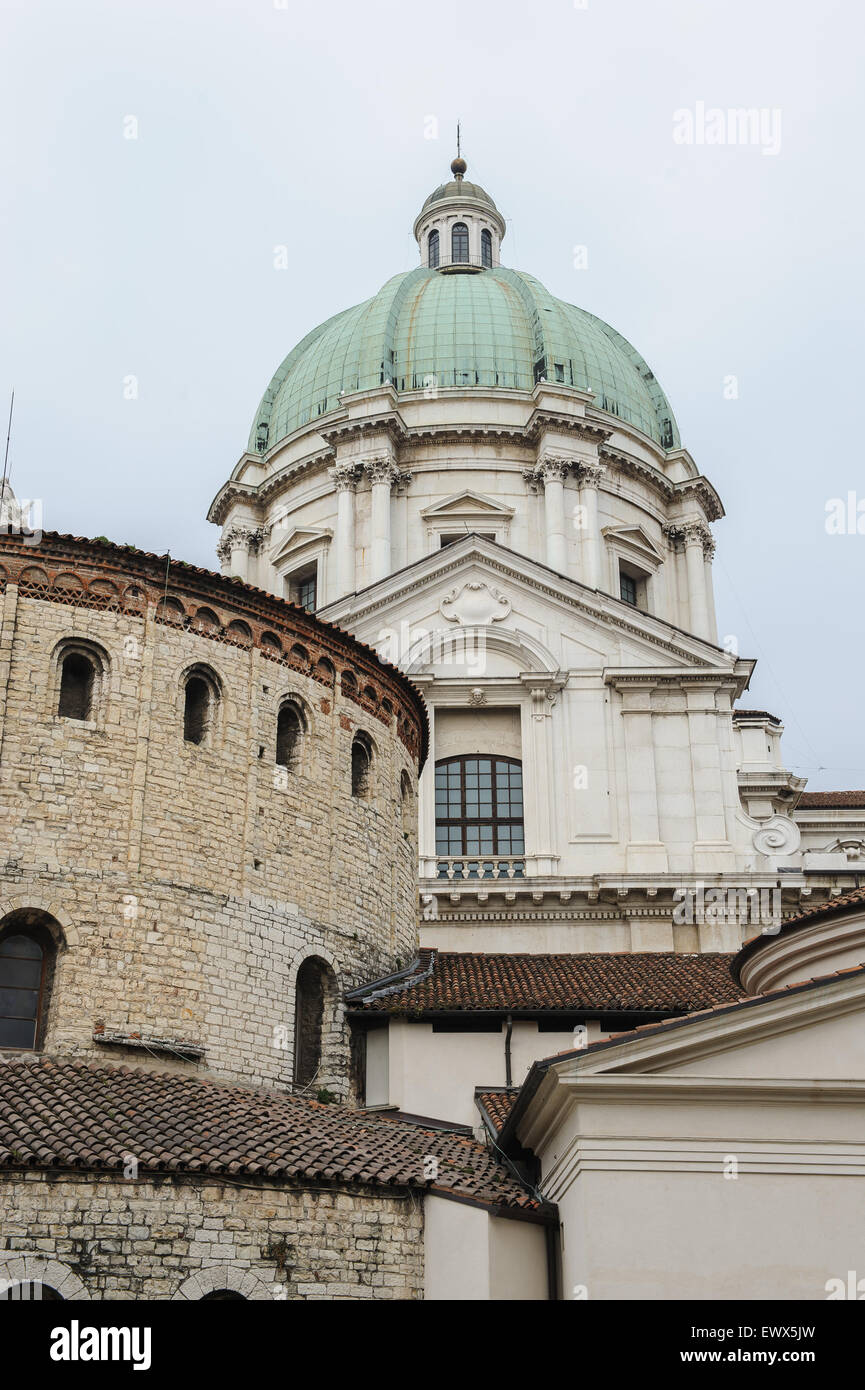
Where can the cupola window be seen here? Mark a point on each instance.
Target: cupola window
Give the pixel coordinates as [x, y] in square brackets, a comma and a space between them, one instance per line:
[460, 243]
[486, 248]
[433, 246]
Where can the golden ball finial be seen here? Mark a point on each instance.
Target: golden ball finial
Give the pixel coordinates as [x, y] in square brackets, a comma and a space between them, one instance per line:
[458, 167]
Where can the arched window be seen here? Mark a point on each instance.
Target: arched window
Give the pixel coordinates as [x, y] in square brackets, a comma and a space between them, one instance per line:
[479, 806]
[361, 767]
[222, 1296]
[486, 248]
[77, 681]
[314, 991]
[406, 804]
[199, 705]
[26, 966]
[30, 1291]
[433, 249]
[460, 242]
[289, 732]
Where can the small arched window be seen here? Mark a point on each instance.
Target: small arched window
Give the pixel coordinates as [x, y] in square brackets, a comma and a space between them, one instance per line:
[77, 682]
[433, 248]
[460, 242]
[361, 767]
[222, 1296]
[199, 706]
[289, 732]
[406, 803]
[486, 248]
[26, 958]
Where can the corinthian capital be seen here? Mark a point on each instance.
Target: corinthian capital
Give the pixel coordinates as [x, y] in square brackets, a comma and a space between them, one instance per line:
[554, 468]
[380, 468]
[259, 538]
[696, 532]
[234, 537]
[345, 476]
[691, 531]
[592, 474]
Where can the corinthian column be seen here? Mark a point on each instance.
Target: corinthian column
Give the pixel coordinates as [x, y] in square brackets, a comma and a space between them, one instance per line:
[345, 481]
[382, 473]
[697, 537]
[236, 542]
[591, 475]
[552, 471]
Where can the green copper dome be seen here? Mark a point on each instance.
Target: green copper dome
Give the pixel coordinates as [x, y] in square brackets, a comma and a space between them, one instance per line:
[493, 329]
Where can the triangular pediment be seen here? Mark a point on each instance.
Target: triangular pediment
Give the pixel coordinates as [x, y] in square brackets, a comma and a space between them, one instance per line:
[296, 541]
[477, 586]
[634, 538]
[467, 504]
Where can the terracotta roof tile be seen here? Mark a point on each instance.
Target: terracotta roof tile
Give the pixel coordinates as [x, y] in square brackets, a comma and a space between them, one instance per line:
[855, 898]
[826, 800]
[612, 982]
[71, 1114]
[496, 1104]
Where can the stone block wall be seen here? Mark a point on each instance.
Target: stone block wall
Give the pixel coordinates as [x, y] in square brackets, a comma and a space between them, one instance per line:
[187, 883]
[91, 1237]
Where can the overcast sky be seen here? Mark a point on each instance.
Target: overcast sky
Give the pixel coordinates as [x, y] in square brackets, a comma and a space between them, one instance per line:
[263, 124]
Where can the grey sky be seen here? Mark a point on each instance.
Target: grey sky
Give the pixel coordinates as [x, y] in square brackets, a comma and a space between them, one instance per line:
[304, 125]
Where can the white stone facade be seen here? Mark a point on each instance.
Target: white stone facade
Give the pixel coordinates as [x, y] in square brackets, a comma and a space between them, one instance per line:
[539, 565]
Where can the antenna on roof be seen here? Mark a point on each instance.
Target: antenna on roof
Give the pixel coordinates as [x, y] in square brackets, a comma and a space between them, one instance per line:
[6, 456]
[458, 165]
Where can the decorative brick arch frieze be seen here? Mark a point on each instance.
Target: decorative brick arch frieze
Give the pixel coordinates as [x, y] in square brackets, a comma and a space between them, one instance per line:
[36, 1269]
[98, 575]
[243, 1281]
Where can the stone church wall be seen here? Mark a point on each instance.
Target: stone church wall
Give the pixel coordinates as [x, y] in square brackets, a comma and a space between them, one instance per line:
[91, 1237]
[185, 884]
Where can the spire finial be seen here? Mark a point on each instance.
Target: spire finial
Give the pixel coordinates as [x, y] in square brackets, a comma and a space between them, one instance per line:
[458, 165]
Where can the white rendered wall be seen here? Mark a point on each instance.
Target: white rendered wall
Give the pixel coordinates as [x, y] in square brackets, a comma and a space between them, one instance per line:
[470, 1256]
[435, 1074]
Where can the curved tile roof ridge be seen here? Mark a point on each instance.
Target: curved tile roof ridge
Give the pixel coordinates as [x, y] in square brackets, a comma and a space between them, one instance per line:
[73, 1114]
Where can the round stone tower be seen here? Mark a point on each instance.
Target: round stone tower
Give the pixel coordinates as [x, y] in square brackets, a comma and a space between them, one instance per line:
[209, 799]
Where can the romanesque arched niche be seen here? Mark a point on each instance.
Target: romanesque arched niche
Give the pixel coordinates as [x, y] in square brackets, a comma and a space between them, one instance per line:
[314, 1022]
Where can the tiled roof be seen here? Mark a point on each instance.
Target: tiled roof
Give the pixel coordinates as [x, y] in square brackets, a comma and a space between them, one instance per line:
[639, 981]
[835, 906]
[523, 1099]
[496, 1104]
[826, 800]
[76, 1115]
